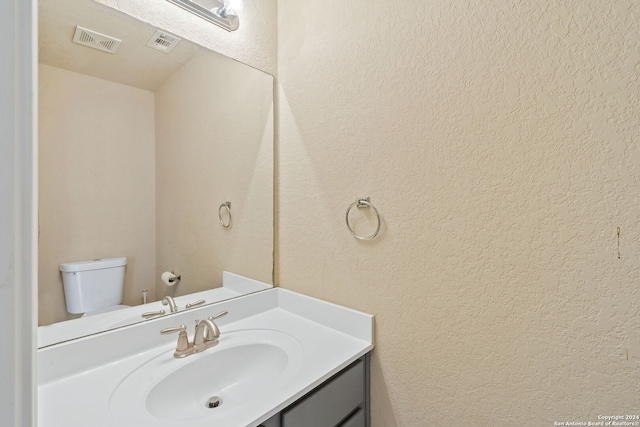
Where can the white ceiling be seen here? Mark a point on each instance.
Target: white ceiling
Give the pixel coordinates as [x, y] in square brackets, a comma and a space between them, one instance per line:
[134, 64]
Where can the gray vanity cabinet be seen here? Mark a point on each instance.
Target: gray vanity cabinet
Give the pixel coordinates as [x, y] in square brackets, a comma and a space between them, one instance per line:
[341, 401]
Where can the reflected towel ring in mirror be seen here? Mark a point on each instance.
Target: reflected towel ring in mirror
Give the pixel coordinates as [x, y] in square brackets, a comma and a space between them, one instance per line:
[363, 203]
[225, 206]
[224, 15]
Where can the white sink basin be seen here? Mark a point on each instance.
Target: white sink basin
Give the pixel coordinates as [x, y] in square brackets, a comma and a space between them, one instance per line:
[275, 347]
[244, 366]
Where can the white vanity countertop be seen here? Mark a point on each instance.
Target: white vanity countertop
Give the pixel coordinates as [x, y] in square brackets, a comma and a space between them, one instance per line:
[77, 379]
[233, 285]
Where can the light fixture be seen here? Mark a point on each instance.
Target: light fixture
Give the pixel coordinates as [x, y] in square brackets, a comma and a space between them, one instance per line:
[224, 13]
[230, 7]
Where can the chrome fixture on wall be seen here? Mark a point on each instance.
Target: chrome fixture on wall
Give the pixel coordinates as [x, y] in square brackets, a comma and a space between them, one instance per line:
[225, 207]
[224, 13]
[206, 336]
[363, 203]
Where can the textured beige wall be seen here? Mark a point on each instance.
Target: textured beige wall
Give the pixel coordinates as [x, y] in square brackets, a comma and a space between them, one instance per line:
[499, 140]
[253, 43]
[96, 183]
[209, 150]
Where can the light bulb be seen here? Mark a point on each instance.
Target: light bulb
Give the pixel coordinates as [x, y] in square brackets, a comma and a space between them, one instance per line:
[233, 7]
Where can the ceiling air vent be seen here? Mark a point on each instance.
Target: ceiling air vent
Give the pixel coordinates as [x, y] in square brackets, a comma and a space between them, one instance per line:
[163, 41]
[96, 40]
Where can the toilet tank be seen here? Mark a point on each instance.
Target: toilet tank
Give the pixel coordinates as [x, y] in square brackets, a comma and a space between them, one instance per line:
[92, 285]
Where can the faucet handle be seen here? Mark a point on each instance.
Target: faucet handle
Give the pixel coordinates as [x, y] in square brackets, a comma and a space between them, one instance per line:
[222, 313]
[183, 340]
[194, 304]
[166, 331]
[152, 314]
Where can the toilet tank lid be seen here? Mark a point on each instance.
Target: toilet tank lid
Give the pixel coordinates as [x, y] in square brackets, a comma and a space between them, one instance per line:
[93, 264]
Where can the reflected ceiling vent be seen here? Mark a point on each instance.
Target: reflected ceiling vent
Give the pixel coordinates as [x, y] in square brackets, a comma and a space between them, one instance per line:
[96, 40]
[163, 41]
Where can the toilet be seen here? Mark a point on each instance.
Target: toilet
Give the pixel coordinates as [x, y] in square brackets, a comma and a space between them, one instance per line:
[94, 286]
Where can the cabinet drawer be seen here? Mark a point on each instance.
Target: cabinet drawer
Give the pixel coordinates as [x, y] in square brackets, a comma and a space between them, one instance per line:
[356, 420]
[331, 403]
[272, 422]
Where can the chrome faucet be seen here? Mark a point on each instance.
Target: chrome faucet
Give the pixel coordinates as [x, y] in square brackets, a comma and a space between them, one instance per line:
[203, 340]
[206, 336]
[171, 302]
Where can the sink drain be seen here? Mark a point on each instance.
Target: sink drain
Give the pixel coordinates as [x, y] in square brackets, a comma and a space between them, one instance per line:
[214, 402]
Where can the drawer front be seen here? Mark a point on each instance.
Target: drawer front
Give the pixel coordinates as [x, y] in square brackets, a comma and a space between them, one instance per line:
[331, 403]
[356, 420]
[271, 422]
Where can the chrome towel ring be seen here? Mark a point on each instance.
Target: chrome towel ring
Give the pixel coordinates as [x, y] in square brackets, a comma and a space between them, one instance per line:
[225, 206]
[362, 203]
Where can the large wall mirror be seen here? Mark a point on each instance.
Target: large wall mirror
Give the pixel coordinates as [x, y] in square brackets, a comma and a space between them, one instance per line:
[138, 150]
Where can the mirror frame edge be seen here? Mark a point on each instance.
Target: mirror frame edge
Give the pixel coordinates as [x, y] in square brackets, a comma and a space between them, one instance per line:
[19, 252]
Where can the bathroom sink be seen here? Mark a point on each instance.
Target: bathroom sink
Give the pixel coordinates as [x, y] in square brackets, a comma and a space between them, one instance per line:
[244, 366]
[275, 347]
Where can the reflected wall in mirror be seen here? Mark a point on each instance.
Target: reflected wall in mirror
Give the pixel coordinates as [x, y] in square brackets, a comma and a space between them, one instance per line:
[137, 151]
